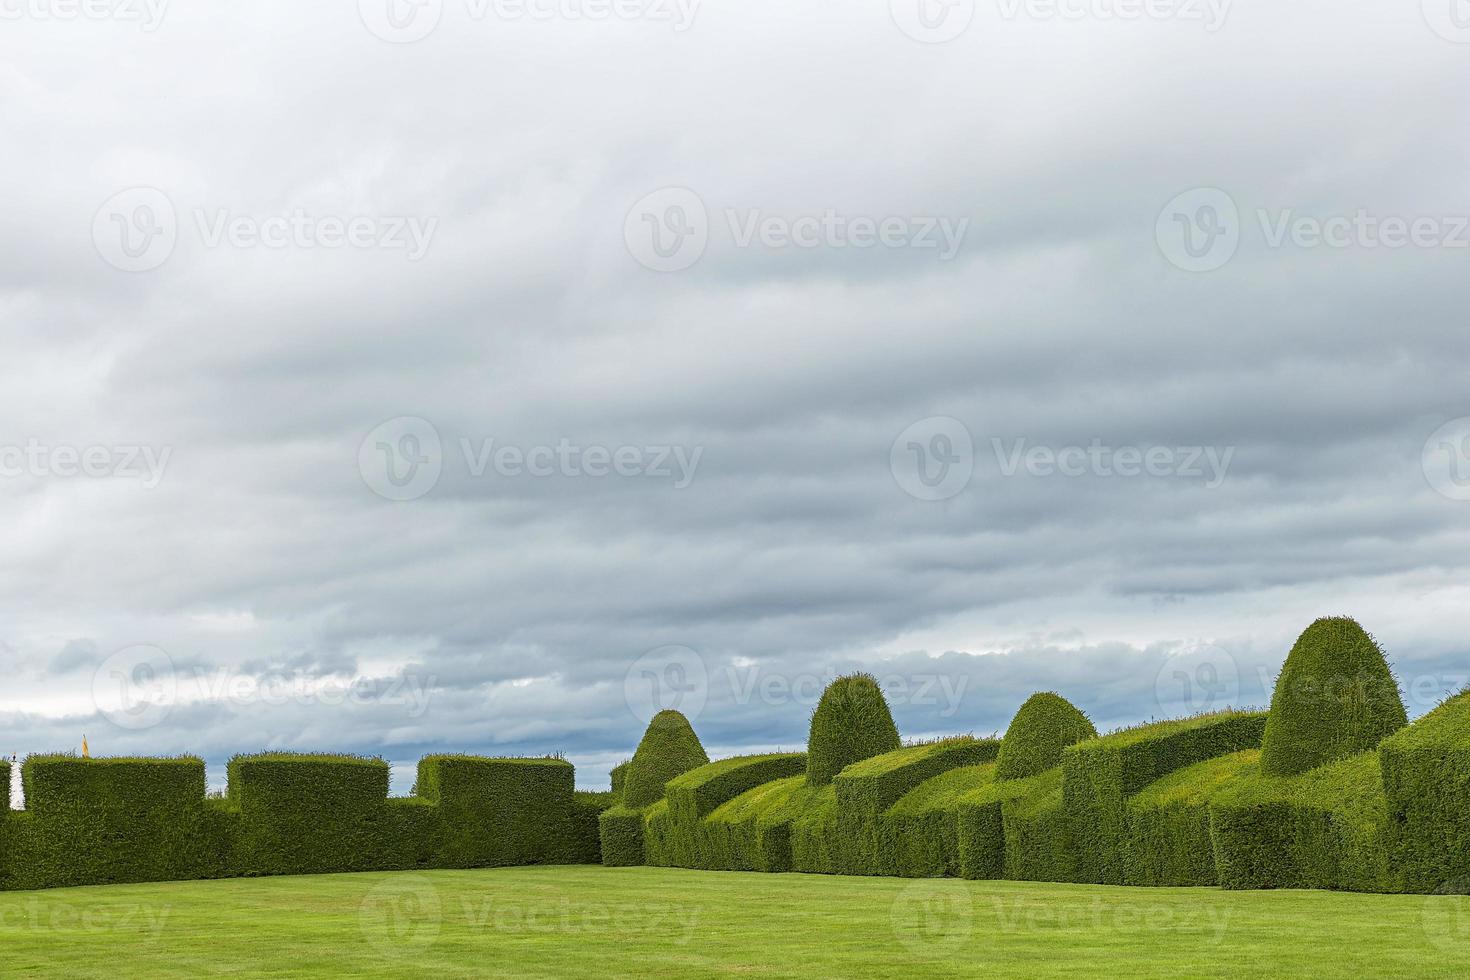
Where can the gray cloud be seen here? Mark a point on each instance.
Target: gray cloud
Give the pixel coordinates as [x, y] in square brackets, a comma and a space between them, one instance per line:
[519, 603]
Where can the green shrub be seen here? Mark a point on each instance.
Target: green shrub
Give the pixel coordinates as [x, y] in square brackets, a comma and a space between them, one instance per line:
[1039, 843]
[616, 775]
[1426, 777]
[669, 748]
[308, 814]
[1046, 724]
[1327, 828]
[1099, 775]
[495, 812]
[851, 723]
[752, 832]
[1168, 839]
[1335, 697]
[105, 821]
[677, 834]
[620, 832]
[864, 843]
[587, 807]
[814, 832]
[923, 824]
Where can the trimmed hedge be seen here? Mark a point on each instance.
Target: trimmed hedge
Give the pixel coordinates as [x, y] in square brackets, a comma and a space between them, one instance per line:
[496, 812]
[99, 821]
[1327, 828]
[675, 831]
[616, 774]
[1426, 777]
[980, 825]
[1045, 725]
[668, 748]
[1168, 839]
[106, 821]
[752, 832]
[864, 843]
[814, 832]
[924, 823]
[1335, 697]
[851, 723]
[1099, 775]
[1039, 843]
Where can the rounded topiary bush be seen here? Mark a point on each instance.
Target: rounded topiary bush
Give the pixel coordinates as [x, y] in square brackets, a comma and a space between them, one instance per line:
[851, 723]
[669, 748]
[1335, 697]
[1046, 724]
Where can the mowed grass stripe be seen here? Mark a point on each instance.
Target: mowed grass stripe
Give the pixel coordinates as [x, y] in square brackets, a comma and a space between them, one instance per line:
[592, 921]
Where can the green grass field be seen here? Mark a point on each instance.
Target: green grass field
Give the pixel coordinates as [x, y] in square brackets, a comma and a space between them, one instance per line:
[594, 921]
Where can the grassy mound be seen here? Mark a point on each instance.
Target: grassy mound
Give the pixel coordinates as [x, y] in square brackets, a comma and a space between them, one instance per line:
[1335, 697]
[1046, 724]
[852, 722]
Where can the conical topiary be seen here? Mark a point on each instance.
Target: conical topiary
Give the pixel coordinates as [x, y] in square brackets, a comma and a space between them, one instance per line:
[1335, 697]
[668, 749]
[1046, 724]
[852, 722]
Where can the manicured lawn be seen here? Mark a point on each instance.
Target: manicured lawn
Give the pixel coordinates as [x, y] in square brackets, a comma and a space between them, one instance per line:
[589, 921]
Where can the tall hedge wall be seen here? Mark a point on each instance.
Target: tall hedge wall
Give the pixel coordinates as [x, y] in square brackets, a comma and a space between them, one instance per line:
[100, 821]
[865, 842]
[1326, 828]
[1099, 775]
[1426, 778]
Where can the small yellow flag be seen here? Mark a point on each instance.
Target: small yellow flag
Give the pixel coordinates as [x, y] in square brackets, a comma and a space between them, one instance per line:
[85, 753]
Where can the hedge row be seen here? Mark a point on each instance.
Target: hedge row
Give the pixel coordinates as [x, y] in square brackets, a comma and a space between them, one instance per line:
[1326, 828]
[102, 821]
[1426, 779]
[1099, 775]
[676, 833]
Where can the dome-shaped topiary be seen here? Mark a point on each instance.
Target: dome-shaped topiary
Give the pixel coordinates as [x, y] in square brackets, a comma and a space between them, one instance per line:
[669, 748]
[851, 723]
[1335, 697]
[1046, 724]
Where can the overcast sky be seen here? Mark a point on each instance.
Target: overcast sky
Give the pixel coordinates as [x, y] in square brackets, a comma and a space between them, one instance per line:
[479, 377]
